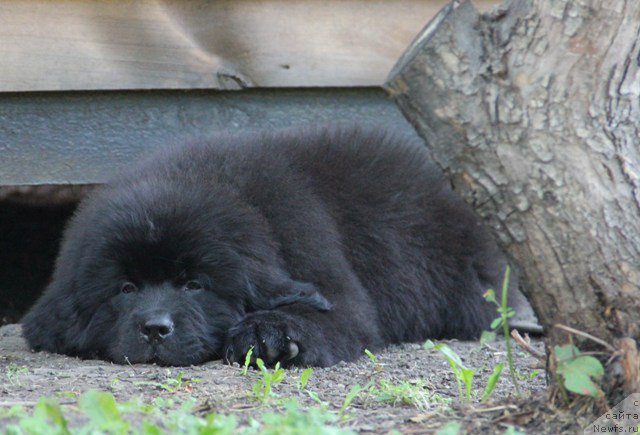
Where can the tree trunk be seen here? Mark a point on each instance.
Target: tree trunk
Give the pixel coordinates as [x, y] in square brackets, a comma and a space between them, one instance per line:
[533, 110]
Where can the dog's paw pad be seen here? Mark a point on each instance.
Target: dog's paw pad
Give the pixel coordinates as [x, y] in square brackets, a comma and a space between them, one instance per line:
[269, 339]
[293, 350]
[287, 352]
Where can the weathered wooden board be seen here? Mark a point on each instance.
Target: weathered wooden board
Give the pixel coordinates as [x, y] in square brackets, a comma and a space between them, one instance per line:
[222, 44]
[85, 137]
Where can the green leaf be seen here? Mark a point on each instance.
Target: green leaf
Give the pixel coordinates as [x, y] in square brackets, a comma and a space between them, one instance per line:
[17, 411]
[580, 383]
[492, 381]
[247, 361]
[218, 425]
[495, 324]
[257, 388]
[278, 375]
[100, 406]
[565, 353]
[150, 429]
[453, 357]
[315, 397]
[487, 337]
[588, 365]
[578, 374]
[47, 407]
[371, 356]
[304, 378]
[428, 345]
[451, 428]
[467, 377]
[355, 390]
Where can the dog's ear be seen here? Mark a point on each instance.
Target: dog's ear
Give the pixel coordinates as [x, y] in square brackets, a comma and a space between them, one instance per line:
[275, 288]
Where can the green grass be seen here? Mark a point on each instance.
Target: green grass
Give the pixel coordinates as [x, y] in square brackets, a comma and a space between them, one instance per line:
[247, 361]
[99, 412]
[374, 359]
[399, 393]
[352, 394]
[304, 378]
[14, 372]
[171, 384]
[262, 388]
[405, 393]
[464, 375]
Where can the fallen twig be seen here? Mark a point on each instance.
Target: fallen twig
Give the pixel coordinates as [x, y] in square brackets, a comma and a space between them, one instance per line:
[493, 408]
[526, 344]
[585, 335]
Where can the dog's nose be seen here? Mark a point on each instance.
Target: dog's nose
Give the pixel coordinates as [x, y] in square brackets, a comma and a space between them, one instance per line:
[157, 328]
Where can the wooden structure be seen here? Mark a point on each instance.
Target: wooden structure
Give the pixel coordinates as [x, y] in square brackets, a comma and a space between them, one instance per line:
[70, 51]
[82, 138]
[185, 44]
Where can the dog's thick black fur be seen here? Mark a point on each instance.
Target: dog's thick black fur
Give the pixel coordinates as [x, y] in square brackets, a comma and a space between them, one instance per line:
[308, 245]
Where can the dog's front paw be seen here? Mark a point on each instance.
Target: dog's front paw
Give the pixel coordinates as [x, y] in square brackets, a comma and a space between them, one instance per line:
[271, 334]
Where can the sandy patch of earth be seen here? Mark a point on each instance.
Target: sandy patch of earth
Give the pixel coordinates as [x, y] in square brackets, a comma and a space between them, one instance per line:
[26, 376]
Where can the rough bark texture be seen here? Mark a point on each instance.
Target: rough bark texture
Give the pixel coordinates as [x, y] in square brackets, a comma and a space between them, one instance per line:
[534, 111]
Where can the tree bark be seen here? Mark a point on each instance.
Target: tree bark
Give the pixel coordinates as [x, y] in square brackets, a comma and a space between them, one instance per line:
[533, 110]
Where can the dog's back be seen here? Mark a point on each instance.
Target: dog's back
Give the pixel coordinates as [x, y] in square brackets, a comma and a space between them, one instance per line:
[372, 202]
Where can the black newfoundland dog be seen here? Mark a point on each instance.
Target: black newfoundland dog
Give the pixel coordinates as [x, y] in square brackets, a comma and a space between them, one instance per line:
[309, 246]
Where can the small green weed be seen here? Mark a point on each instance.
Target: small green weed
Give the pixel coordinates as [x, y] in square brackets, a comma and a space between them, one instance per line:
[491, 382]
[451, 428]
[304, 378]
[247, 361]
[67, 395]
[262, 387]
[103, 412]
[302, 386]
[172, 385]
[464, 375]
[316, 398]
[409, 393]
[99, 412]
[413, 393]
[296, 422]
[374, 359]
[577, 372]
[352, 394]
[14, 372]
[505, 313]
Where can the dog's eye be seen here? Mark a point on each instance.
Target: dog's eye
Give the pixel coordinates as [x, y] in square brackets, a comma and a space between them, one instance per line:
[193, 285]
[128, 287]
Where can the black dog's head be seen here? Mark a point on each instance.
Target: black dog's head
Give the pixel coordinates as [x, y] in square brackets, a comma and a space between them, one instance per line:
[154, 272]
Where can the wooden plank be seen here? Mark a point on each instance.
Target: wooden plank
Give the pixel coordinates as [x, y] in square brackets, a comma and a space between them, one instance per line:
[223, 44]
[85, 137]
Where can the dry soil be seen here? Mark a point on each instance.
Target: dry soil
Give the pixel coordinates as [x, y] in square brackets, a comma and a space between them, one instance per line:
[26, 376]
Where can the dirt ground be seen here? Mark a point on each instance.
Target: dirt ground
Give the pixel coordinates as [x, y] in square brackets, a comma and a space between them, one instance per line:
[25, 376]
